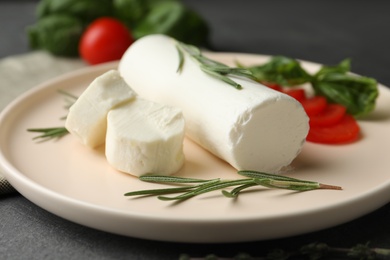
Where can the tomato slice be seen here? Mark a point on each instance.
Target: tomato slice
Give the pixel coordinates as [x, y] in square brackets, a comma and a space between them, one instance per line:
[329, 123]
[299, 93]
[331, 115]
[314, 105]
[345, 131]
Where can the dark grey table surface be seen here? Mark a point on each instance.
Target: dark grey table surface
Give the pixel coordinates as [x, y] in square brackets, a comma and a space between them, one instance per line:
[323, 31]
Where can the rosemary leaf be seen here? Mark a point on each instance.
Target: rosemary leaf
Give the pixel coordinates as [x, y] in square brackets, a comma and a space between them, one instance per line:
[225, 70]
[207, 188]
[55, 132]
[211, 67]
[204, 60]
[159, 191]
[263, 175]
[174, 179]
[49, 133]
[290, 185]
[283, 180]
[221, 77]
[181, 60]
[234, 193]
[67, 94]
[190, 49]
[228, 194]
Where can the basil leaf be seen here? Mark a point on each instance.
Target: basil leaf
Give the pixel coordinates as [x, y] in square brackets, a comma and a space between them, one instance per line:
[85, 10]
[358, 94]
[281, 70]
[343, 67]
[130, 12]
[58, 34]
[174, 19]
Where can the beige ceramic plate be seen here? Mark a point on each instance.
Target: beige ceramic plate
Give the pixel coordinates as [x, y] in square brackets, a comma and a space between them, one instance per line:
[77, 184]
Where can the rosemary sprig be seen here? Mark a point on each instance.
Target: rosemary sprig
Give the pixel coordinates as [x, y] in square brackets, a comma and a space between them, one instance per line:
[211, 67]
[55, 132]
[69, 98]
[49, 133]
[204, 186]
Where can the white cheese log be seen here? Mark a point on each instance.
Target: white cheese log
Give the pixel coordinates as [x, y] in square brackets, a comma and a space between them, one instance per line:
[87, 117]
[255, 128]
[145, 137]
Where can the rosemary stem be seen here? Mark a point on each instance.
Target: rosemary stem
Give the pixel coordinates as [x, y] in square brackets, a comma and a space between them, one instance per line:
[207, 188]
[211, 67]
[203, 186]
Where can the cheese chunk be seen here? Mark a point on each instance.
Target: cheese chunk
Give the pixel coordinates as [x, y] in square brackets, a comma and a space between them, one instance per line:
[87, 118]
[255, 128]
[145, 137]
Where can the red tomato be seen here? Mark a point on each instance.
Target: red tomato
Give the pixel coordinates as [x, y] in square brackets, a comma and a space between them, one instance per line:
[345, 131]
[331, 115]
[314, 105]
[298, 94]
[329, 123]
[105, 39]
[274, 86]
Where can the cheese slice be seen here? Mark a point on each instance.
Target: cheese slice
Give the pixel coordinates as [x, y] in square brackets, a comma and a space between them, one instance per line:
[87, 117]
[255, 128]
[145, 137]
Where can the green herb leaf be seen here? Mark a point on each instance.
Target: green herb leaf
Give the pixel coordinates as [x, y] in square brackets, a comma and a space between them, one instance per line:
[234, 193]
[221, 77]
[212, 67]
[289, 185]
[173, 18]
[358, 94]
[130, 12]
[55, 132]
[85, 10]
[172, 179]
[276, 177]
[208, 187]
[158, 191]
[49, 133]
[281, 70]
[181, 59]
[58, 34]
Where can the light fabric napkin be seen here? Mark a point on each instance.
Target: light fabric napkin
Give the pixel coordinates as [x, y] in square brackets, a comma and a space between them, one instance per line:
[22, 72]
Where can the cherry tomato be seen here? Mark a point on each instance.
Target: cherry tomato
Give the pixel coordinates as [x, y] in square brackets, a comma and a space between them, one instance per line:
[314, 105]
[345, 131]
[298, 94]
[331, 115]
[105, 39]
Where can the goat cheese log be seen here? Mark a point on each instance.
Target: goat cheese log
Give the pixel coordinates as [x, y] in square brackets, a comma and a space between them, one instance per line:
[255, 128]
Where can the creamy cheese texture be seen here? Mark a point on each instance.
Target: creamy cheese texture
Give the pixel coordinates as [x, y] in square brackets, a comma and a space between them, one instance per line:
[255, 128]
[140, 136]
[145, 137]
[87, 117]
